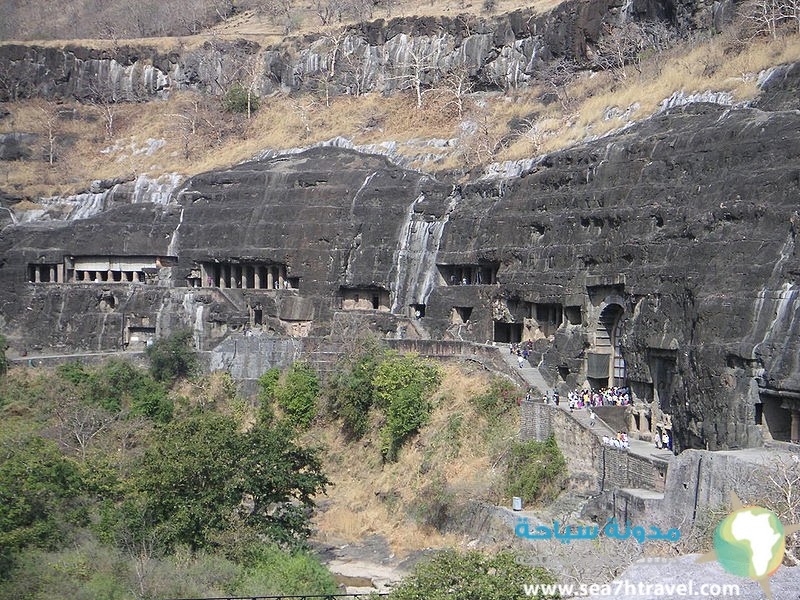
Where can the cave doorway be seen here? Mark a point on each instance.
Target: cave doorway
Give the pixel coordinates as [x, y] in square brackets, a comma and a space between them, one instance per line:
[608, 341]
[507, 333]
[776, 417]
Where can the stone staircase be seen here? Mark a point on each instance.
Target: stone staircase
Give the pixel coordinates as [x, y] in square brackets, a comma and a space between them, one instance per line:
[528, 373]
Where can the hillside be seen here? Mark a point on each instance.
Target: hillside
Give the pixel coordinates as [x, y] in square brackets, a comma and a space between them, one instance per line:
[609, 189]
[95, 132]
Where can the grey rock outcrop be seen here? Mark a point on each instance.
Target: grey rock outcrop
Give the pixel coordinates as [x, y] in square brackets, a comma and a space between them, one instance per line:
[17, 146]
[495, 53]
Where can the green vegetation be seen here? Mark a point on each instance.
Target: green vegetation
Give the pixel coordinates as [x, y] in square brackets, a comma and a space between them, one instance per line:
[38, 497]
[400, 386]
[172, 357]
[500, 398]
[351, 392]
[454, 576]
[209, 468]
[536, 470]
[119, 386]
[108, 491]
[239, 99]
[298, 395]
[403, 387]
[294, 391]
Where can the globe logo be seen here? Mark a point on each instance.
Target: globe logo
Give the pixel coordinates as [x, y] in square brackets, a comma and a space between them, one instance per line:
[750, 542]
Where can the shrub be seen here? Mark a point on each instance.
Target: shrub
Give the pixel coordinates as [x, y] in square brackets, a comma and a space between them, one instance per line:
[536, 470]
[500, 398]
[451, 575]
[352, 392]
[408, 411]
[297, 396]
[401, 371]
[172, 357]
[118, 385]
[273, 571]
[238, 99]
[267, 386]
[403, 386]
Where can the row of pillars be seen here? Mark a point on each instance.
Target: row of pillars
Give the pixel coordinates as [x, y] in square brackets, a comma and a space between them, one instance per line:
[794, 434]
[244, 276]
[46, 273]
[81, 276]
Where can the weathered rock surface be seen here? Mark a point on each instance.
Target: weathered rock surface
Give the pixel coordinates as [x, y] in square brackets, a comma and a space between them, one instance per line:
[501, 52]
[17, 146]
[670, 244]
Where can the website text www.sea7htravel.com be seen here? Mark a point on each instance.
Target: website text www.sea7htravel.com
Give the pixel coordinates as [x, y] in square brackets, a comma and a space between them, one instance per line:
[618, 589]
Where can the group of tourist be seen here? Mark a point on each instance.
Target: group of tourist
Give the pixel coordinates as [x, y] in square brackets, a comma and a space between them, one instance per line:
[619, 441]
[522, 352]
[615, 396]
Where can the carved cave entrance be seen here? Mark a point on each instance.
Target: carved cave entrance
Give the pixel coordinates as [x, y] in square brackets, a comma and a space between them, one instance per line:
[507, 333]
[780, 415]
[606, 365]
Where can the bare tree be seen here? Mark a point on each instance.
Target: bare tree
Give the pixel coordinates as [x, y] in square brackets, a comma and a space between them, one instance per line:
[782, 492]
[304, 110]
[49, 122]
[355, 71]
[456, 86]
[765, 17]
[79, 424]
[103, 98]
[416, 74]
[557, 74]
[629, 44]
[186, 125]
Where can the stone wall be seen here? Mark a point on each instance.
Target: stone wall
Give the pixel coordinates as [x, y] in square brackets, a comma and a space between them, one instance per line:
[623, 469]
[593, 467]
[248, 356]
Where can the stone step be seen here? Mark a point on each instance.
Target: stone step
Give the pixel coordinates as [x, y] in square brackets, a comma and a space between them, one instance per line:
[530, 374]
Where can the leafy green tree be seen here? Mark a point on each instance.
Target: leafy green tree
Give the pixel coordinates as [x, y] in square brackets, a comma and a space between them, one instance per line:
[297, 395]
[451, 575]
[172, 357]
[536, 470]
[351, 392]
[39, 489]
[202, 475]
[403, 386]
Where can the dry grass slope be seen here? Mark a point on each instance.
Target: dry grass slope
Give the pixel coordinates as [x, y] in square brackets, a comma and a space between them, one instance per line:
[457, 449]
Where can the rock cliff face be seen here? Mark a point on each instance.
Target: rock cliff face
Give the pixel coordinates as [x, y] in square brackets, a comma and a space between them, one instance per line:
[502, 52]
[663, 256]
